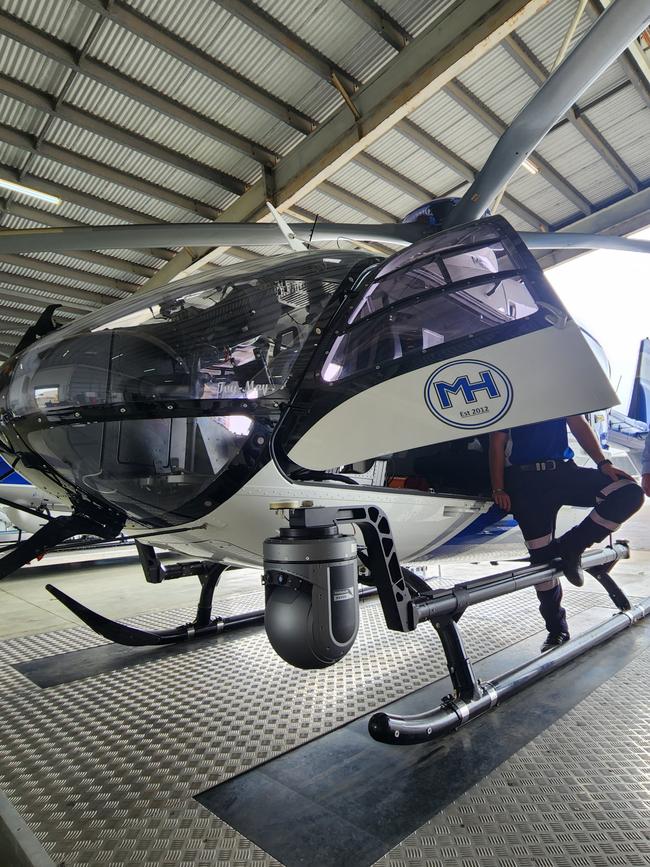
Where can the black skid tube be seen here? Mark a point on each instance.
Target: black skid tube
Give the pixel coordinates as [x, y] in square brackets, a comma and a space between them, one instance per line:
[452, 714]
[131, 636]
[121, 633]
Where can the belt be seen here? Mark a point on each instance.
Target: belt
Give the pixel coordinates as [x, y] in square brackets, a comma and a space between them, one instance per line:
[539, 465]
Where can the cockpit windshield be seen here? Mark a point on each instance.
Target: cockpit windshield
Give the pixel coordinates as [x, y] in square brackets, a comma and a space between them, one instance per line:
[148, 402]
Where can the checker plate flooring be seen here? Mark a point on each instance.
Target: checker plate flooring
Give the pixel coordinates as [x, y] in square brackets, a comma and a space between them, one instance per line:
[104, 769]
[577, 795]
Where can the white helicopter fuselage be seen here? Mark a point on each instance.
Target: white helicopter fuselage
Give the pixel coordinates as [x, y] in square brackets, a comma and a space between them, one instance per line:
[234, 532]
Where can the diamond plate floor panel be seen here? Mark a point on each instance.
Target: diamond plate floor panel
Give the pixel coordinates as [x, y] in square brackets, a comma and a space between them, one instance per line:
[577, 796]
[104, 769]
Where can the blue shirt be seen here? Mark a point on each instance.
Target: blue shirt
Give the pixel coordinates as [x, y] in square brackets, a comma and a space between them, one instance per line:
[543, 441]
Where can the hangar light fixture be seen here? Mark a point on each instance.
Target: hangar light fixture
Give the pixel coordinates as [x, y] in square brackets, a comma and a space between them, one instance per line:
[531, 167]
[29, 191]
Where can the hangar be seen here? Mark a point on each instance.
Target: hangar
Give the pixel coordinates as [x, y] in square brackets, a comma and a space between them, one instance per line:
[173, 375]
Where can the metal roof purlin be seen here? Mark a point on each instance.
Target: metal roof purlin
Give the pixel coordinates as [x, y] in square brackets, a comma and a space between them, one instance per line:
[538, 72]
[633, 58]
[79, 117]
[59, 154]
[281, 36]
[381, 22]
[64, 54]
[462, 95]
[182, 50]
[462, 168]
[423, 68]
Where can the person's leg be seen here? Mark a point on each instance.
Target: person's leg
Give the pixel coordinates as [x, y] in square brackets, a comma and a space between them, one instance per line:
[535, 510]
[613, 502]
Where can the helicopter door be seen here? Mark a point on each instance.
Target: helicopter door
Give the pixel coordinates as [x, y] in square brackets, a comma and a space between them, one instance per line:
[458, 335]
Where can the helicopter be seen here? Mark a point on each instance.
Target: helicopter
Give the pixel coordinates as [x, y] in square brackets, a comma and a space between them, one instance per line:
[194, 416]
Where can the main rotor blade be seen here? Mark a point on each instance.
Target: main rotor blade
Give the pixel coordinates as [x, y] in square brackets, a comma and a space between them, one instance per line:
[608, 37]
[575, 241]
[198, 234]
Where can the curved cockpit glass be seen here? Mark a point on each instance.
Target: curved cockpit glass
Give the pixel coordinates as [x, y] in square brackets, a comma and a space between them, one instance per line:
[149, 402]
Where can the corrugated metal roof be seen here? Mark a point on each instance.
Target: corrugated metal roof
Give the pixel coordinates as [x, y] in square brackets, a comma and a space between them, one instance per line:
[65, 19]
[497, 81]
[121, 111]
[58, 280]
[12, 156]
[330, 209]
[242, 49]
[334, 30]
[369, 187]
[124, 159]
[416, 15]
[542, 198]
[19, 116]
[151, 66]
[29, 66]
[90, 267]
[625, 121]
[574, 158]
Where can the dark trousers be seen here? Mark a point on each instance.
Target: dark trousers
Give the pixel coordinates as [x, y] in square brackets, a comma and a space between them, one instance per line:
[537, 496]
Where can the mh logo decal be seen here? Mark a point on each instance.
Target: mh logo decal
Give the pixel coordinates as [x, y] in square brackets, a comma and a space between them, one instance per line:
[468, 394]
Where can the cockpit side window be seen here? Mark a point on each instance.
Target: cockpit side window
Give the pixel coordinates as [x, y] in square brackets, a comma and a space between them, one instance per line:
[161, 410]
[236, 338]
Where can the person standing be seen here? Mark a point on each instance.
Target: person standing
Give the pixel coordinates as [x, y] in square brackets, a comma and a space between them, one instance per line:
[539, 479]
[645, 467]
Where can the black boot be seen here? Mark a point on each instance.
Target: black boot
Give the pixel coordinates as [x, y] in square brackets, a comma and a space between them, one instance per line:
[550, 607]
[570, 548]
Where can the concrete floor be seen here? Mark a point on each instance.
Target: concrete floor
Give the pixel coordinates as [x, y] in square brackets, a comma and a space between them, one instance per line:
[118, 589]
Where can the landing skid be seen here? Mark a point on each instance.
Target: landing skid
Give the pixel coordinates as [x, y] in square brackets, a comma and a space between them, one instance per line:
[472, 697]
[203, 625]
[406, 606]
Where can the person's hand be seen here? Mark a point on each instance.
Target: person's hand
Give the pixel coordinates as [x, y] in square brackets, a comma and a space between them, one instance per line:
[502, 500]
[614, 473]
[645, 484]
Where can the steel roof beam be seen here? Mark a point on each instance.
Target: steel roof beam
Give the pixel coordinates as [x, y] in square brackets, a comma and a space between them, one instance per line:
[67, 56]
[359, 204]
[28, 142]
[9, 295]
[193, 57]
[633, 58]
[487, 118]
[71, 294]
[279, 35]
[629, 214]
[46, 267]
[381, 22]
[466, 171]
[394, 178]
[520, 52]
[422, 69]
[52, 107]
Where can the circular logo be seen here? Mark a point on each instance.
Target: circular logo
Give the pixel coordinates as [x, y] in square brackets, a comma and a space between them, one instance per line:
[468, 393]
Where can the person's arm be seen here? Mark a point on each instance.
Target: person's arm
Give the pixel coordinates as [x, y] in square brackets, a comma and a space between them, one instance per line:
[588, 441]
[645, 467]
[498, 441]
